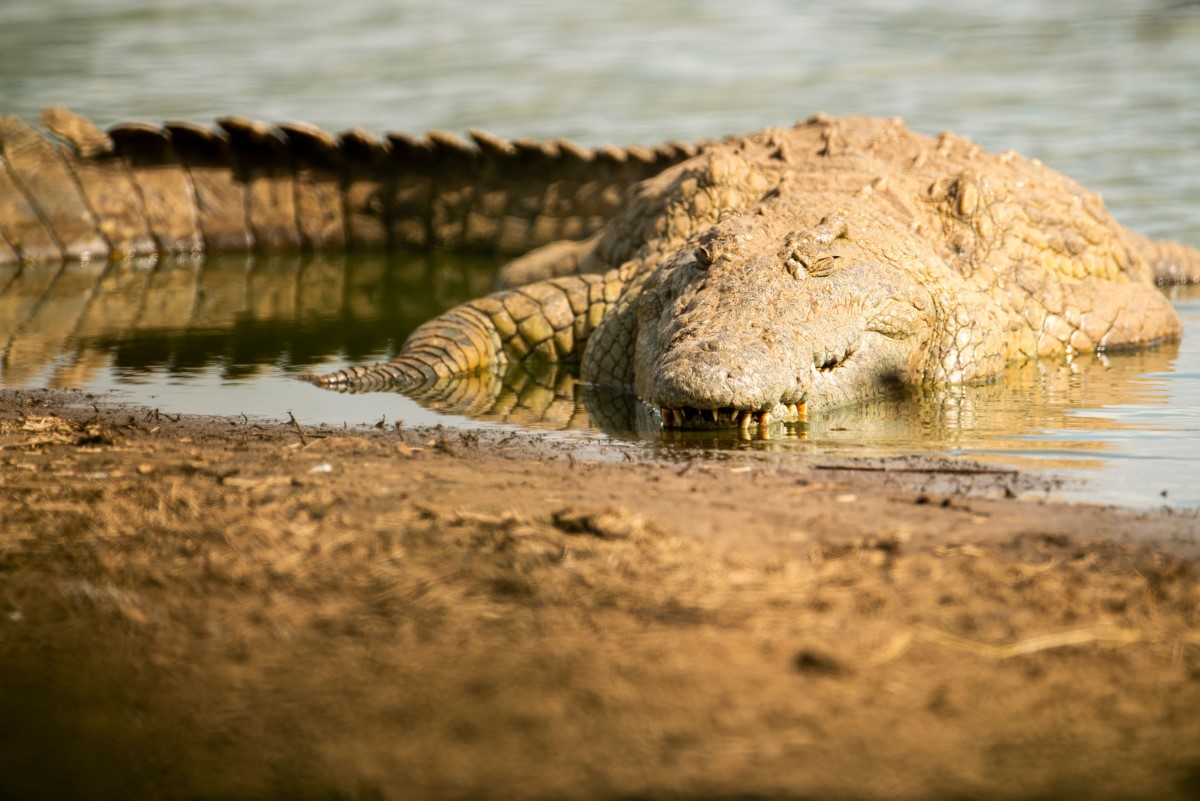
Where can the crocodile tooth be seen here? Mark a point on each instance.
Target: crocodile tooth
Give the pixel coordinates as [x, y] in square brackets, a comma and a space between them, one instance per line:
[765, 420]
[714, 414]
[744, 422]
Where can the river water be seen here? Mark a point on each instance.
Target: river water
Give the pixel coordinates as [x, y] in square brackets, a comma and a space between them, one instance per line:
[1108, 91]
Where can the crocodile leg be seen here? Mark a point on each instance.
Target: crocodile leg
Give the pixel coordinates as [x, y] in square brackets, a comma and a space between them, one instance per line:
[1172, 262]
[546, 321]
[564, 257]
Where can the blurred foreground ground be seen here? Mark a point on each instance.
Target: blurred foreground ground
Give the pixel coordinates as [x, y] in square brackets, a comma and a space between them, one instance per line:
[201, 608]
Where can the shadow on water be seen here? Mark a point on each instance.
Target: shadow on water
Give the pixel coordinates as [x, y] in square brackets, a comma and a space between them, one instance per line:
[182, 334]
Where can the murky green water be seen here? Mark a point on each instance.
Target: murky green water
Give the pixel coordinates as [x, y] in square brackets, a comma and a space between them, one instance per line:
[1105, 90]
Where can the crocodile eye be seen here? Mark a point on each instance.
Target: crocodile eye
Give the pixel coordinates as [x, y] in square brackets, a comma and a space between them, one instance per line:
[824, 266]
[811, 251]
[801, 262]
[704, 257]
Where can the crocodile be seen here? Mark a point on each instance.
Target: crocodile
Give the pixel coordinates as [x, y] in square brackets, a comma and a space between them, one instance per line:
[735, 282]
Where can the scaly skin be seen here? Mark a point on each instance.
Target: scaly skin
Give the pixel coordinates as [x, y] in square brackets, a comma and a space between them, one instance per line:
[141, 189]
[763, 277]
[797, 270]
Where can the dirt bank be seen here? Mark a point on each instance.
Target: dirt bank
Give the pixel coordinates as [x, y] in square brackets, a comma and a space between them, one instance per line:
[208, 608]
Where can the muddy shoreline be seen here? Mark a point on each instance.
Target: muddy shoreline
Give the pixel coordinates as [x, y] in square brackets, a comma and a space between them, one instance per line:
[224, 608]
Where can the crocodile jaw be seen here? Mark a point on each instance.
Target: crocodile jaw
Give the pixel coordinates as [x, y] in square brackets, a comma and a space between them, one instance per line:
[694, 390]
[748, 347]
[689, 417]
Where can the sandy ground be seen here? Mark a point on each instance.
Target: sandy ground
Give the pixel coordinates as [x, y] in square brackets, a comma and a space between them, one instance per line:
[201, 608]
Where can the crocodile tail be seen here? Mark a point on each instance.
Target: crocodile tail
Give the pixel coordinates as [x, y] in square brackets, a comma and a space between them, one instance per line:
[510, 197]
[141, 188]
[43, 214]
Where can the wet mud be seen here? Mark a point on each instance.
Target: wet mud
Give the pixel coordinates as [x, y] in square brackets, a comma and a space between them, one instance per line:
[232, 608]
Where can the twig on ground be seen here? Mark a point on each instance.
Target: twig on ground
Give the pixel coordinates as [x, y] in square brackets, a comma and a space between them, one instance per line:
[299, 431]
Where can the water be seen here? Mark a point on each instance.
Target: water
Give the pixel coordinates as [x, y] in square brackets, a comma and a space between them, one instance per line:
[1105, 90]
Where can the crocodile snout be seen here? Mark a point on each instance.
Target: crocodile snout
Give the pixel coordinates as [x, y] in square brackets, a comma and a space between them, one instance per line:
[743, 347]
[703, 385]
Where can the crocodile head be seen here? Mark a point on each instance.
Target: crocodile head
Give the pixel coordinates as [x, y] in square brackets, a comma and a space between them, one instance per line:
[755, 323]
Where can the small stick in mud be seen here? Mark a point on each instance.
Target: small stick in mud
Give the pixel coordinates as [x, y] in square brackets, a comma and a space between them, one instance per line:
[299, 431]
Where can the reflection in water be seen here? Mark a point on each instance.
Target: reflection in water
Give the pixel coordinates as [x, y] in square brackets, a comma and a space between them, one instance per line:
[1025, 402]
[1104, 90]
[205, 328]
[1126, 423]
[61, 324]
